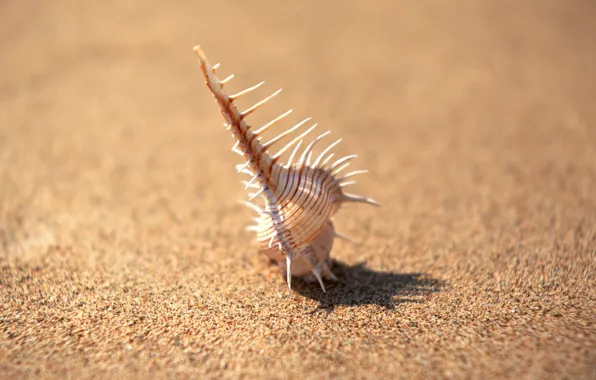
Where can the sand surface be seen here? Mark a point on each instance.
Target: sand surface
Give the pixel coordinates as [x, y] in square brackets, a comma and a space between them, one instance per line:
[123, 252]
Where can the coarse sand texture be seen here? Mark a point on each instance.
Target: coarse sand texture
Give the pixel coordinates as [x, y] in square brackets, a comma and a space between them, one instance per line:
[123, 247]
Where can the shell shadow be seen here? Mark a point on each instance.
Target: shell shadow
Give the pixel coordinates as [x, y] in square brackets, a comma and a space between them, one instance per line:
[358, 285]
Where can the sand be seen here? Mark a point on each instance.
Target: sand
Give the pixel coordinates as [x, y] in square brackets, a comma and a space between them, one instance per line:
[122, 245]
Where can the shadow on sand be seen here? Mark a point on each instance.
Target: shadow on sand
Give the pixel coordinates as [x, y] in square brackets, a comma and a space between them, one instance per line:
[358, 285]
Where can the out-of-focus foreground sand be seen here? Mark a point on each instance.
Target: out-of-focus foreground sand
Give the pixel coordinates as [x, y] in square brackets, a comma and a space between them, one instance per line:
[123, 246]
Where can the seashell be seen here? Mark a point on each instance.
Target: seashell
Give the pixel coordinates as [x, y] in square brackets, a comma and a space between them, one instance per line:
[298, 199]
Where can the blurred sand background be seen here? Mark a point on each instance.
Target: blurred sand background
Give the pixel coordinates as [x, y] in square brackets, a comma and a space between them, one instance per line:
[123, 250]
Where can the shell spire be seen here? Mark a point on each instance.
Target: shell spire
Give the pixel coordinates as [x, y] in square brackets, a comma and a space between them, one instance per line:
[294, 224]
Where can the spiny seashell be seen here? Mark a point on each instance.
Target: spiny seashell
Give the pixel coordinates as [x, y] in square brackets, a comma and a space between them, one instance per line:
[294, 225]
